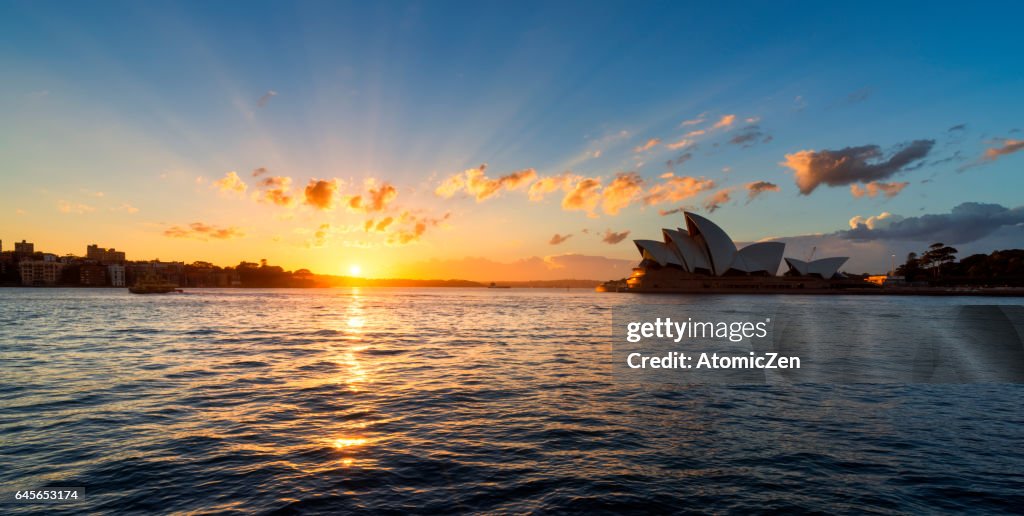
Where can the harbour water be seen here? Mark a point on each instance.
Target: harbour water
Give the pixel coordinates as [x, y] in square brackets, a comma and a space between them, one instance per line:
[462, 400]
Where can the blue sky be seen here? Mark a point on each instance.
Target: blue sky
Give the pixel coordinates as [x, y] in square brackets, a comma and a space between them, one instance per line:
[150, 103]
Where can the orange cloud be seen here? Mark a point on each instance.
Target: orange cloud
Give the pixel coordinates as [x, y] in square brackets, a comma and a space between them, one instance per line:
[546, 185]
[621, 192]
[725, 121]
[1008, 147]
[474, 182]
[874, 188]
[277, 190]
[648, 146]
[377, 199]
[696, 132]
[699, 120]
[77, 208]
[676, 188]
[684, 142]
[201, 231]
[230, 183]
[583, 196]
[414, 228]
[321, 193]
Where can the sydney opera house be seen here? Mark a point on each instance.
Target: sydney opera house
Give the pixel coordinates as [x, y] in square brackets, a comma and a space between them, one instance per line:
[703, 257]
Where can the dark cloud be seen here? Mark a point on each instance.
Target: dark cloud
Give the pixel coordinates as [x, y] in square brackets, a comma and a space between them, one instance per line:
[957, 127]
[749, 136]
[611, 237]
[266, 98]
[259, 172]
[850, 165]
[859, 96]
[679, 160]
[757, 188]
[717, 199]
[967, 222]
[673, 211]
[558, 239]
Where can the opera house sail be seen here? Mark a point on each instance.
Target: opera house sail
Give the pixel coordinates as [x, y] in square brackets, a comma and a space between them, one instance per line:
[703, 258]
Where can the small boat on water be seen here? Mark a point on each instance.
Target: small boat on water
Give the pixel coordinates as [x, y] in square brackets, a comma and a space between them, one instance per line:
[495, 285]
[153, 285]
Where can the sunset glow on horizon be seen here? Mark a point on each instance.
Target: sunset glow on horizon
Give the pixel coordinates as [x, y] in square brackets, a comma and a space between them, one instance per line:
[401, 141]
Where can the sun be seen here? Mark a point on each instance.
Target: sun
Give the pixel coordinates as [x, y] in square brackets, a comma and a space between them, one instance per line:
[355, 270]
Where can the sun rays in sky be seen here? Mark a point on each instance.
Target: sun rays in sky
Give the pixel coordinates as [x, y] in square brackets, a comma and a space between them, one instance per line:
[501, 142]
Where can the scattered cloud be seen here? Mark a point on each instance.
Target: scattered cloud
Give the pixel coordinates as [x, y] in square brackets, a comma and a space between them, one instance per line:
[321, 235]
[673, 211]
[874, 188]
[756, 188]
[715, 201]
[694, 121]
[965, 223]
[850, 165]
[653, 142]
[621, 192]
[725, 121]
[558, 239]
[259, 171]
[859, 96]
[377, 198]
[321, 193]
[1005, 147]
[680, 144]
[277, 191]
[474, 182]
[125, 207]
[750, 136]
[1008, 147]
[262, 102]
[201, 231]
[677, 188]
[230, 184]
[695, 132]
[413, 228]
[957, 127]
[76, 208]
[611, 237]
[584, 195]
[546, 185]
[880, 221]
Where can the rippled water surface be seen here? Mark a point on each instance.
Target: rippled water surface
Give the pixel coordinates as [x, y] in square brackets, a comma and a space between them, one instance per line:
[452, 400]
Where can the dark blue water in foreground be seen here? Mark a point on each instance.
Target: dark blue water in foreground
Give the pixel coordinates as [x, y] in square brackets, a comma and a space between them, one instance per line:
[437, 400]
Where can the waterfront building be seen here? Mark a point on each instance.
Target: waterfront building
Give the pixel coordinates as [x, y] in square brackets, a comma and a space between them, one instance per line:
[92, 275]
[104, 256]
[36, 273]
[116, 275]
[165, 272]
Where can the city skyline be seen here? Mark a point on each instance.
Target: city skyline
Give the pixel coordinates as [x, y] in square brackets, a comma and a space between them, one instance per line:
[404, 141]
